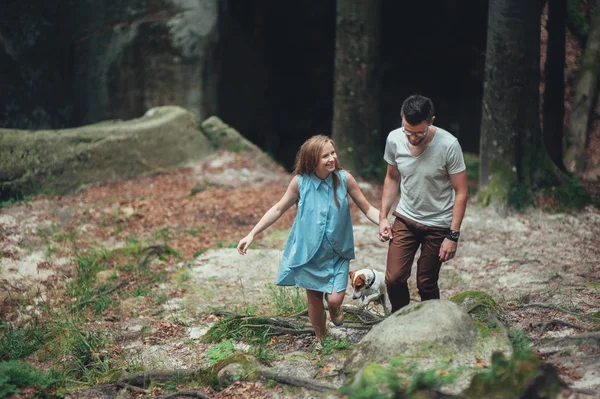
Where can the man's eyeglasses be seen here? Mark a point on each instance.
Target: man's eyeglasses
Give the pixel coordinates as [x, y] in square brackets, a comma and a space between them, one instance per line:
[418, 134]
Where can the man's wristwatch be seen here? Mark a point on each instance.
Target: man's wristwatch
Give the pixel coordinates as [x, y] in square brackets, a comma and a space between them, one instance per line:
[453, 235]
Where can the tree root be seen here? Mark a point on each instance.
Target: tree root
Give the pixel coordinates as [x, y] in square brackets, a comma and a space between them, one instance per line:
[552, 307]
[132, 388]
[556, 322]
[191, 394]
[308, 383]
[145, 378]
[595, 335]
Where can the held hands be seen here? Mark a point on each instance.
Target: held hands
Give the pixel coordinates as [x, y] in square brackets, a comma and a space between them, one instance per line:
[385, 230]
[447, 250]
[244, 244]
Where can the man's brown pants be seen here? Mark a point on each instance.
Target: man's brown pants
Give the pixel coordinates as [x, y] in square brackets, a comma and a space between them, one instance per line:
[407, 236]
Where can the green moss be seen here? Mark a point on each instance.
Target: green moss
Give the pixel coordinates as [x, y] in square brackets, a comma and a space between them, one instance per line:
[576, 20]
[502, 178]
[476, 302]
[511, 377]
[472, 164]
[209, 375]
[571, 194]
[409, 309]
[400, 378]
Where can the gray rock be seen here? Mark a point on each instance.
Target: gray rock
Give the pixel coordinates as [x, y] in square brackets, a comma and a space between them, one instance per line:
[428, 335]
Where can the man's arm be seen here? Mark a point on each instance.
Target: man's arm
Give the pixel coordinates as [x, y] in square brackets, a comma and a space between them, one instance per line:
[390, 191]
[459, 183]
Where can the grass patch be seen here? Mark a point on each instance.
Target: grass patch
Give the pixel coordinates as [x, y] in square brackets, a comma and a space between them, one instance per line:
[15, 375]
[287, 300]
[330, 344]
[19, 342]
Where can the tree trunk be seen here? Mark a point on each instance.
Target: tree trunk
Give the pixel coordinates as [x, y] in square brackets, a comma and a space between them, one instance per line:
[513, 160]
[554, 87]
[583, 100]
[356, 116]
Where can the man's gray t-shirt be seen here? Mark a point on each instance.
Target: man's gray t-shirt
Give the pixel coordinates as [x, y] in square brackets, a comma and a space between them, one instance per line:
[426, 193]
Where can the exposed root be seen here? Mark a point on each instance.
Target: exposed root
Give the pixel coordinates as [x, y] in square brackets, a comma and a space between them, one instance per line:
[308, 383]
[552, 307]
[556, 322]
[184, 394]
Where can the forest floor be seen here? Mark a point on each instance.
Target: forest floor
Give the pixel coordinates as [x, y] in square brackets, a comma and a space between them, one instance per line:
[150, 262]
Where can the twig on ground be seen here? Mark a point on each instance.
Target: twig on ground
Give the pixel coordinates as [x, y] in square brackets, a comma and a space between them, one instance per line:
[92, 299]
[308, 383]
[299, 314]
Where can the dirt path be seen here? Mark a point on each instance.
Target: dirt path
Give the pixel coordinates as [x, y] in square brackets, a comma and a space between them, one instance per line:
[543, 268]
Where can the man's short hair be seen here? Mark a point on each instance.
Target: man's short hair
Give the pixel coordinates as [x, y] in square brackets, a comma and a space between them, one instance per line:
[416, 109]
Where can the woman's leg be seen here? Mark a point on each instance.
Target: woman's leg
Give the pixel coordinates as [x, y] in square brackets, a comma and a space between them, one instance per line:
[316, 312]
[334, 300]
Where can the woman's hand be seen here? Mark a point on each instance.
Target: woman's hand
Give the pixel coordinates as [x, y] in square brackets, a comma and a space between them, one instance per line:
[245, 243]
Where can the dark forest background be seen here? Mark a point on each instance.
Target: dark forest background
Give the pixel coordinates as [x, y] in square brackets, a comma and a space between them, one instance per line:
[272, 66]
[279, 72]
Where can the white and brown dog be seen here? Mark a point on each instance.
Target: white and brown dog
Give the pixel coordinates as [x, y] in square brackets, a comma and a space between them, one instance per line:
[369, 285]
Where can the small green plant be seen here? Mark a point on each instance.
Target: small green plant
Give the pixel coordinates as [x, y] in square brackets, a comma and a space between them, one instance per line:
[287, 300]
[399, 379]
[330, 344]
[264, 354]
[520, 343]
[15, 375]
[220, 352]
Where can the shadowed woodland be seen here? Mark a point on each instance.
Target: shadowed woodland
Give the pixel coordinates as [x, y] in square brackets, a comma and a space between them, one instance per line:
[139, 139]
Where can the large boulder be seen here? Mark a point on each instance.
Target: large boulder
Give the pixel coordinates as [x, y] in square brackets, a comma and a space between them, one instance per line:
[436, 335]
[61, 161]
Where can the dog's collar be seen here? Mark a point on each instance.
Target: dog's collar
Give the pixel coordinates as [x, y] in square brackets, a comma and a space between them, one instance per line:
[372, 281]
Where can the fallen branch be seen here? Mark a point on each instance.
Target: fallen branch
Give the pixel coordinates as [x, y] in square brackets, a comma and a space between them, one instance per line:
[365, 317]
[308, 383]
[133, 388]
[552, 307]
[556, 322]
[193, 394]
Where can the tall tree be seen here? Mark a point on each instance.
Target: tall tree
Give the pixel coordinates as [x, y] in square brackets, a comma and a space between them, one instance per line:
[513, 160]
[554, 82]
[583, 101]
[356, 115]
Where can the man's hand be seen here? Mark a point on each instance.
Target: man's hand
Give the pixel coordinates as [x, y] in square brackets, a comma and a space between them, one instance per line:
[385, 230]
[447, 250]
[244, 244]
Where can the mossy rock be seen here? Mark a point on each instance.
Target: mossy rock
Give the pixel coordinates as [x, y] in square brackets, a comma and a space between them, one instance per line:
[223, 136]
[481, 306]
[246, 365]
[515, 377]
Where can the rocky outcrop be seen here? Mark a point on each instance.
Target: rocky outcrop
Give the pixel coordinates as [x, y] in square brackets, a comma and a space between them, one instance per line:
[60, 161]
[437, 335]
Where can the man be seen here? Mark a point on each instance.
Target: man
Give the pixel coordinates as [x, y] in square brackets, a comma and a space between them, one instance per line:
[427, 163]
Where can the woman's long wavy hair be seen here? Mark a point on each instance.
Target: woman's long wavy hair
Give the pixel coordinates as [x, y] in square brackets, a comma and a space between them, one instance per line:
[307, 160]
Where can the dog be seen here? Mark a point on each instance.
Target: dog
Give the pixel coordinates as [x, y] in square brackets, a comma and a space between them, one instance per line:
[369, 285]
